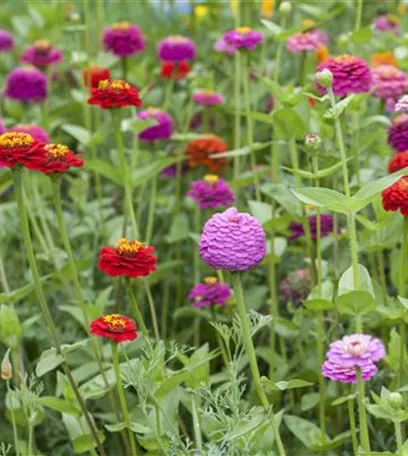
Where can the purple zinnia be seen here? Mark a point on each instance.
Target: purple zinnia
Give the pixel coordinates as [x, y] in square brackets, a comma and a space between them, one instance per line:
[355, 350]
[387, 23]
[123, 39]
[162, 130]
[233, 241]
[41, 54]
[243, 37]
[6, 41]
[209, 293]
[176, 48]
[308, 40]
[207, 98]
[350, 75]
[211, 191]
[26, 84]
[223, 46]
[37, 132]
[398, 133]
[402, 104]
[295, 287]
[389, 82]
[326, 227]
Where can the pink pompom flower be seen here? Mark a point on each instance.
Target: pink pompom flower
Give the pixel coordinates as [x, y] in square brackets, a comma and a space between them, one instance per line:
[207, 98]
[243, 38]
[224, 47]
[398, 133]
[389, 82]
[387, 23]
[6, 41]
[123, 39]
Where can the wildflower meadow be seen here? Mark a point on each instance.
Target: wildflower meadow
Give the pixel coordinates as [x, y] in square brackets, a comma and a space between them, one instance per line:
[204, 227]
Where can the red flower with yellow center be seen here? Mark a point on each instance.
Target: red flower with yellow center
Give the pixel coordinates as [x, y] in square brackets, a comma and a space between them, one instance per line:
[93, 75]
[116, 327]
[174, 70]
[398, 161]
[200, 153]
[114, 94]
[15, 148]
[129, 258]
[395, 198]
[53, 158]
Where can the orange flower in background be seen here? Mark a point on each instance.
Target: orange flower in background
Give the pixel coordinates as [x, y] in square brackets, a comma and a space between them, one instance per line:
[398, 161]
[15, 148]
[200, 153]
[395, 198]
[115, 327]
[114, 94]
[383, 58]
[267, 8]
[94, 74]
[322, 54]
[52, 158]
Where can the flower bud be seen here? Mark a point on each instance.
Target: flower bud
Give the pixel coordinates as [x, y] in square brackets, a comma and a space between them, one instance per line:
[324, 78]
[312, 142]
[6, 368]
[395, 400]
[285, 8]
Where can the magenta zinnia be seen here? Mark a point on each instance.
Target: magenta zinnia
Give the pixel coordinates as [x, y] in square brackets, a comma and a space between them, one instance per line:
[212, 191]
[209, 293]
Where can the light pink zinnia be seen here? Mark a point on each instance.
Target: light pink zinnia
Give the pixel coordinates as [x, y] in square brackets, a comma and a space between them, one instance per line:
[389, 82]
[207, 98]
[309, 40]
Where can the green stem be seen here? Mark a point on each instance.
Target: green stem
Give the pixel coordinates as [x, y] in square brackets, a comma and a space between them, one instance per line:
[122, 398]
[152, 309]
[401, 292]
[279, 51]
[197, 228]
[124, 172]
[3, 277]
[219, 339]
[302, 70]
[398, 437]
[135, 308]
[322, 384]
[237, 104]
[250, 351]
[152, 207]
[364, 438]
[359, 14]
[124, 63]
[352, 419]
[196, 424]
[13, 422]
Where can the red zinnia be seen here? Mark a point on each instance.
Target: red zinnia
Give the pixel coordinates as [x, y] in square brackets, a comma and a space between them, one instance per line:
[52, 158]
[177, 70]
[114, 326]
[398, 161]
[129, 258]
[93, 75]
[201, 150]
[395, 198]
[15, 147]
[114, 94]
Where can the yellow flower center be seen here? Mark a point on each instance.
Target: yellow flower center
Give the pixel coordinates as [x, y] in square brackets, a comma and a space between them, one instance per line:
[57, 150]
[129, 248]
[243, 30]
[210, 280]
[201, 11]
[115, 322]
[343, 58]
[14, 140]
[42, 45]
[393, 18]
[211, 178]
[308, 24]
[176, 38]
[122, 25]
[152, 110]
[118, 85]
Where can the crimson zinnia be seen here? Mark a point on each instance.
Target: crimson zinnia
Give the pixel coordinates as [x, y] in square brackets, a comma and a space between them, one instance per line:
[93, 75]
[398, 161]
[114, 94]
[52, 158]
[395, 198]
[15, 148]
[115, 327]
[129, 258]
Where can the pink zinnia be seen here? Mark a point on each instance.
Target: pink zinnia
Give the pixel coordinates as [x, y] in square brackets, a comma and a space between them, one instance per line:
[41, 54]
[176, 48]
[350, 75]
[209, 293]
[243, 37]
[402, 104]
[387, 23]
[211, 191]
[207, 98]
[309, 40]
[123, 39]
[163, 128]
[224, 47]
[389, 82]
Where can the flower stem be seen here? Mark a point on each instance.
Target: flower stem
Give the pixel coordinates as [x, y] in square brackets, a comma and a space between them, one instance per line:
[124, 170]
[152, 207]
[18, 183]
[322, 384]
[364, 438]
[250, 351]
[279, 51]
[401, 292]
[237, 104]
[197, 227]
[13, 422]
[152, 309]
[122, 398]
[135, 307]
[359, 14]
[352, 419]
[196, 424]
[398, 437]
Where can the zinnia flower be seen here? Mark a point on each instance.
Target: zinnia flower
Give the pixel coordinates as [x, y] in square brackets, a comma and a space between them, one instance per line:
[15, 148]
[243, 38]
[211, 191]
[402, 104]
[93, 75]
[387, 23]
[224, 47]
[115, 327]
[6, 41]
[123, 39]
[41, 55]
[176, 48]
[350, 352]
[326, 227]
[383, 58]
[398, 161]
[200, 153]
[174, 70]
[322, 54]
[207, 98]
[310, 39]
[232, 241]
[37, 132]
[350, 75]
[114, 94]
[129, 258]
[52, 158]
[398, 133]
[209, 293]
[162, 130]
[295, 287]
[26, 84]
[395, 197]
[389, 82]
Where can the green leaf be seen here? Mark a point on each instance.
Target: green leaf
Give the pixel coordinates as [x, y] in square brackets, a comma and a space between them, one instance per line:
[85, 442]
[285, 385]
[323, 197]
[281, 194]
[275, 88]
[403, 301]
[261, 211]
[300, 172]
[117, 427]
[48, 361]
[362, 35]
[60, 405]
[356, 302]
[318, 305]
[79, 133]
[271, 26]
[343, 399]
[308, 433]
[138, 125]
[346, 282]
[288, 124]
[309, 401]
[340, 107]
[105, 169]
[145, 173]
[179, 229]
[10, 327]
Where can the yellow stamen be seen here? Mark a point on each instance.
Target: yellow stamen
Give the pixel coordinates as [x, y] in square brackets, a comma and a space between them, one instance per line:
[13, 140]
[210, 280]
[129, 248]
[243, 30]
[308, 24]
[343, 58]
[122, 25]
[42, 44]
[115, 85]
[115, 322]
[57, 150]
[211, 178]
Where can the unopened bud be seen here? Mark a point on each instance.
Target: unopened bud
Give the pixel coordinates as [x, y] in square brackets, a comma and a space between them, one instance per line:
[6, 368]
[285, 8]
[324, 78]
[395, 400]
[312, 142]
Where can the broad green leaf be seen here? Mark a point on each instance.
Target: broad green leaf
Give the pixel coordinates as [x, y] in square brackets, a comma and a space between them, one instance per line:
[281, 194]
[145, 173]
[362, 35]
[274, 87]
[309, 401]
[179, 229]
[139, 428]
[60, 405]
[285, 385]
[340, 107]
[343, 399]
[81, 134]
[323, 197]
[48, 361]
[271, 26]
[117, 427]
[10, 327]
[308, 433]
[261, 211]
[403, 301]
[318, 305]
[346, 282]
[356, 302]
[105, 169]
[288, 123]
